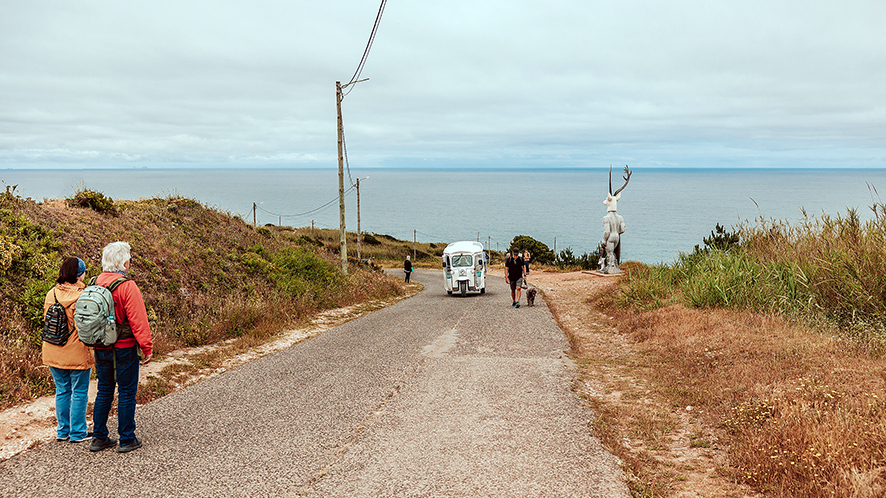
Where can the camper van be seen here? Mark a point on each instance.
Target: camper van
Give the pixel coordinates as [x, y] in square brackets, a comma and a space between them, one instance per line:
[464, 268]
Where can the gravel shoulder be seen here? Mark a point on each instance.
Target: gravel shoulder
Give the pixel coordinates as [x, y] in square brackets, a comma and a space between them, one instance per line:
[612, 375]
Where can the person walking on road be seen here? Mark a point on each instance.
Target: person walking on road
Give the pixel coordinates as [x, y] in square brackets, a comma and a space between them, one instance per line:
[118, 365]
[407, 267]
[514, 276]
[71, 363]
[526, 260]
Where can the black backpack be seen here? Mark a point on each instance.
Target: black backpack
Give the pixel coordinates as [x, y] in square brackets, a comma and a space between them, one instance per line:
[55, 324]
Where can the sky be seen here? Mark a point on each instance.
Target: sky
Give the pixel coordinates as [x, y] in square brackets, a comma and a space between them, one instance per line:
[454, 83]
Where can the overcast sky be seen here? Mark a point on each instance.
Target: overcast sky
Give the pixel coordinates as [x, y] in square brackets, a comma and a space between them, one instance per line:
[493, 83]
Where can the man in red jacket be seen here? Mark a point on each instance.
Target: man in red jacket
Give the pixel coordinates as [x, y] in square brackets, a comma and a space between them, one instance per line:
[133, 332]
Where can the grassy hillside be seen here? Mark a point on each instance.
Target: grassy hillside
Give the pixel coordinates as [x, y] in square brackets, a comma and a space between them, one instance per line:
[775, 335]
[205, 275]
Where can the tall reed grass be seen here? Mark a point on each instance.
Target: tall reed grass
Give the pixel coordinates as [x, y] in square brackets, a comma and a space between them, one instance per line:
[830, 269]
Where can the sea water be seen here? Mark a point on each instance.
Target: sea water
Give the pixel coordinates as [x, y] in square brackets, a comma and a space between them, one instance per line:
[666, 211]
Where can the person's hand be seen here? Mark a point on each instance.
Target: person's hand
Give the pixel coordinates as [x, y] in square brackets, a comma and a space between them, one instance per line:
[147, 359]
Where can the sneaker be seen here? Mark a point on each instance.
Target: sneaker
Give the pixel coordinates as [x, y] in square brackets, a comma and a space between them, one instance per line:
[87, 438]
[516, 305]
[101, 444]
[125, 448]
[513, 304]
[61, 438]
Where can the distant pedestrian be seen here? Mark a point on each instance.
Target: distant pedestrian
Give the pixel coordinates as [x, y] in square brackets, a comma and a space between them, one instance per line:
[72, 362]
[407, 267]
[526, 260]
[514, 276]
[117, 366]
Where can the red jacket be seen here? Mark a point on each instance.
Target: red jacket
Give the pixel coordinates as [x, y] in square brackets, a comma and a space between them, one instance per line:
[128, 303]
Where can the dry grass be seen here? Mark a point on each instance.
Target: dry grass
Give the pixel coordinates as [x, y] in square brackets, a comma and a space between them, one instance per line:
[802, 413]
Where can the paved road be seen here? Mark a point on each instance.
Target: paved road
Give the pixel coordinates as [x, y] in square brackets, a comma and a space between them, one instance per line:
[435, 396]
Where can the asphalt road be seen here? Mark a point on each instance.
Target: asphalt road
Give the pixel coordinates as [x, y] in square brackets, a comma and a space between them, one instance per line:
[436, 396]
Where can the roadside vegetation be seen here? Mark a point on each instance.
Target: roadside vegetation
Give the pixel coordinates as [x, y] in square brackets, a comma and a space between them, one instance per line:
[775, 336]
[206, 276]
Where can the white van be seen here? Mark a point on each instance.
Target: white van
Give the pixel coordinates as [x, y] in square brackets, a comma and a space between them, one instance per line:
[464, 267]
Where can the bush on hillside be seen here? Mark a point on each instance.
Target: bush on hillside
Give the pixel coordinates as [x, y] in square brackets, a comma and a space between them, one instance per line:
[370, 239]
[96, 201]
[720, 240]
[540, 253]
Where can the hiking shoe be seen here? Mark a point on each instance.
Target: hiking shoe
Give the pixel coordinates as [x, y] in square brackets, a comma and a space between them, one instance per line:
[126, 448]
[101, 444]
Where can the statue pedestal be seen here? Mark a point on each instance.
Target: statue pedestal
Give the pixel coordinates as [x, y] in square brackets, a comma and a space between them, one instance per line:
[598, 273]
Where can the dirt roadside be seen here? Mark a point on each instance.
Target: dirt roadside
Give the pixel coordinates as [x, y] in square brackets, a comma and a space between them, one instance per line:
[613, 379]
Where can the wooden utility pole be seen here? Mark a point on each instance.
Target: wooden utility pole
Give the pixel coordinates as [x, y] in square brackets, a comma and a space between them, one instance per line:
[413, 243]
[359, 233]
[343, 246]
[253, 215]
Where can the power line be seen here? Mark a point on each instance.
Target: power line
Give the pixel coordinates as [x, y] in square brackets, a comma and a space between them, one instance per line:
[306, 212]
[381, 10]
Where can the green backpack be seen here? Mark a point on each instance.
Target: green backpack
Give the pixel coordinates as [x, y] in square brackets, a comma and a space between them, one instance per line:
[94, 314]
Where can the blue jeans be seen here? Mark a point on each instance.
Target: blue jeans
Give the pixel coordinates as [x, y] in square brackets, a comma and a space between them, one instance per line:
[71, 396]
[127, 384]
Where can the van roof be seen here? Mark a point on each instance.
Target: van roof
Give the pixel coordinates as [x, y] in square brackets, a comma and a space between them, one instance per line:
[463, 246]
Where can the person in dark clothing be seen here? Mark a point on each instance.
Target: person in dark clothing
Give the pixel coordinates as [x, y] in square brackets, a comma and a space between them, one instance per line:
[407, 267]
[514, 267]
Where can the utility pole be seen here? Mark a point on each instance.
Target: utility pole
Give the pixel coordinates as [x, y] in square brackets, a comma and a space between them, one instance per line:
[343, 246]
[359, 233]
[414, 231]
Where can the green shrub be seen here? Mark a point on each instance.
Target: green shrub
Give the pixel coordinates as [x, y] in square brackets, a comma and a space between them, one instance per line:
[255, 264]
[540, 253]
[300, 263]
[96, 201]
[720, 239]
[370, 239]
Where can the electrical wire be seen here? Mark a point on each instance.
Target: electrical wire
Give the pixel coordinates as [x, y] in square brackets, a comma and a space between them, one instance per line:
[315, 210]
[359, 71]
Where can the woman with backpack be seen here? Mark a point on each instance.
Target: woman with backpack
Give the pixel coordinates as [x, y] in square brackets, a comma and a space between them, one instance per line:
[71, 361]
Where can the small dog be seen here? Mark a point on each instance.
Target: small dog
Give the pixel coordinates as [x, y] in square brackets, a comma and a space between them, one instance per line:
[530, 296]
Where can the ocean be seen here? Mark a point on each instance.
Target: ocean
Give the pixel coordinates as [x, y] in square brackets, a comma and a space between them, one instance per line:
[666, 211]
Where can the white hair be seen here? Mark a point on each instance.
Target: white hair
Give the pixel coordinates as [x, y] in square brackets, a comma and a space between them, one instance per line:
[115, 255]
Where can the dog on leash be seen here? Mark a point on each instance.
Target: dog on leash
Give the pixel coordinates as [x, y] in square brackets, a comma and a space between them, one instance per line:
[530, 296]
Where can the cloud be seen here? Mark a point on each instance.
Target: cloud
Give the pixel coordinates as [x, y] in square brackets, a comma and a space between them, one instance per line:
[489, 83]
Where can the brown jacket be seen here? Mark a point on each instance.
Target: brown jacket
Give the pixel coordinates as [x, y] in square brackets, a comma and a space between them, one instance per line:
[74, 355]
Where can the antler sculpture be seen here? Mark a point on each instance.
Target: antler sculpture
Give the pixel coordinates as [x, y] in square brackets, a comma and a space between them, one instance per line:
[627, 178]
[613, 225]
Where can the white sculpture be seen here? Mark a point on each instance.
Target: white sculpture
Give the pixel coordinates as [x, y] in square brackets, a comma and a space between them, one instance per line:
[613, 226]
